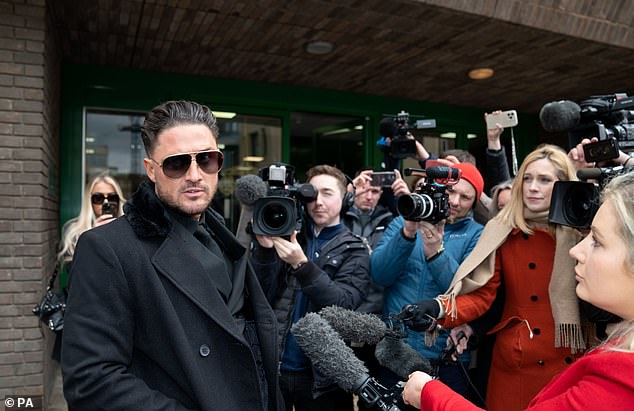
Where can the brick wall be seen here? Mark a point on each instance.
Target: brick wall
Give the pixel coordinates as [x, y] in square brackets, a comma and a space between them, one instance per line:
[29, 190]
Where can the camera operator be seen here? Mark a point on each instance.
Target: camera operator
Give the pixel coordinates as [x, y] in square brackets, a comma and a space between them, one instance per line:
[417, 260]
[323, 265]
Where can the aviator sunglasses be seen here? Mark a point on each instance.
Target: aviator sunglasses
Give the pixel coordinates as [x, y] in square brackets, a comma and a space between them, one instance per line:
[175, 166]
[98, 198]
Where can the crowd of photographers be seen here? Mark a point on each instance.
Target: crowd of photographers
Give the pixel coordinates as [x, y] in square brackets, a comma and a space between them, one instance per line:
[453, 261]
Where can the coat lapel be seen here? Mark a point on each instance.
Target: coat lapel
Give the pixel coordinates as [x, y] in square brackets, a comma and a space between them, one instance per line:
[179, 259]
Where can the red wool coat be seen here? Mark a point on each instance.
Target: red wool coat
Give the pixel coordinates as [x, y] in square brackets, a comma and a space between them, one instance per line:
[524, 356]
[602, 380]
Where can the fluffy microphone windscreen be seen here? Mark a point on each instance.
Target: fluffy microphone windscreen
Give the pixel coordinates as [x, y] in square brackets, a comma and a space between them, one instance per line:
[354, 326]
[328, 353]
[249, 189]
[559, 115]
[400, 358]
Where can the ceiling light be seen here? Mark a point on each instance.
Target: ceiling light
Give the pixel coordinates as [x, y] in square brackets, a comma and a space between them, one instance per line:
[224, 114]
[480, 73]
[319, 47]
[450, 134]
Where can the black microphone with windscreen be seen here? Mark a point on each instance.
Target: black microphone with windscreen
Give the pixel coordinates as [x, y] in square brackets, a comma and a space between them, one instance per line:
[560, 115]
[443, 172]
[249, 189]
[387, 127]
[334, 359]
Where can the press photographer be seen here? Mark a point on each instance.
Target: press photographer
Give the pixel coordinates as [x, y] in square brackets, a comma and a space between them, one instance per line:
[321, 265]
[418, 254]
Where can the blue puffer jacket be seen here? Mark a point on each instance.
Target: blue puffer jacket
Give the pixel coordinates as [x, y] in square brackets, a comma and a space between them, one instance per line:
[399, 265]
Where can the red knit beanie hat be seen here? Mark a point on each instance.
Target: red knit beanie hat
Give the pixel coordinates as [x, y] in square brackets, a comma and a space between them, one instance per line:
[472, 175]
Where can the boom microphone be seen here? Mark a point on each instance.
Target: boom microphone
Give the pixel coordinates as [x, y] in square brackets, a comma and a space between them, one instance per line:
[333, 358]
[249, 189]
[353, 325]
[560, 115]
[400, 358]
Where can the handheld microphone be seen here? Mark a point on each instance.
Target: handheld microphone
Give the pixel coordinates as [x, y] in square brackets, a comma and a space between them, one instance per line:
[400, 358]
[560, 115]
[391, 351]
[443, 172]
[333, 358]
[355, 326]
[249, 189]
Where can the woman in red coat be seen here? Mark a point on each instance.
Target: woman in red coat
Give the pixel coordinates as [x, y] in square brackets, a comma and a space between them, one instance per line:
[605, 278]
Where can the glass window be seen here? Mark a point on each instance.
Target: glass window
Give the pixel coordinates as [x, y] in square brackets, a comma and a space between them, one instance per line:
[113, 144]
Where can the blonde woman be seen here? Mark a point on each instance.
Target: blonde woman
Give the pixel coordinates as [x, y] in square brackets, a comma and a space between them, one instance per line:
[101, 204]
[539, 332]
[604, 275]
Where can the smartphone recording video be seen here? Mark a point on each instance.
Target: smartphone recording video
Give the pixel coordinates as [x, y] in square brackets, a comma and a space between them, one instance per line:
[383, 178]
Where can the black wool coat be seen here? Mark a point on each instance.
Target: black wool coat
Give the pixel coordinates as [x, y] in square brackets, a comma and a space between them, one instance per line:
[145, 329]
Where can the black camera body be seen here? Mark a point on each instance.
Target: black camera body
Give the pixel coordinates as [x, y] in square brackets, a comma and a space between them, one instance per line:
[430, 201]
[606, 117]
[574, 203]
[279, 213]
[396, 128]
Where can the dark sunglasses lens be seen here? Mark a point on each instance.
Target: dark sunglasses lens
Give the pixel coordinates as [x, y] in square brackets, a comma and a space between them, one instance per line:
[176, 166]
[210, 161]
[97, 198]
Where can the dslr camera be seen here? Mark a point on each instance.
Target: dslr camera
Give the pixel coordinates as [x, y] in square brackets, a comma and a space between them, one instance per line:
[574, 203]
[606, 117]
[280, 212]
[430, 200]
[396, 128]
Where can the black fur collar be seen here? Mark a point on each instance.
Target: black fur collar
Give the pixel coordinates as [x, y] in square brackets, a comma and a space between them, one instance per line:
[149, 218]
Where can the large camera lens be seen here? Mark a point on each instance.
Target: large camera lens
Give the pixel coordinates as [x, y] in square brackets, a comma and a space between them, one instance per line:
[573, 204]
[274, 216]
[579, 205]
[416, 207]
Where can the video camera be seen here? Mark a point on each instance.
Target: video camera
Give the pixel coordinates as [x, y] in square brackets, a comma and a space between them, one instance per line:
[396, 128]
[279, 213]
[606, 117]
[574, 203]
[430, 200]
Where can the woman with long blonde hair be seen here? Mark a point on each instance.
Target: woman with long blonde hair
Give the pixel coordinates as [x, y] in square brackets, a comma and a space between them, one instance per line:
[102, 203]
[604, 274]
[539, 332]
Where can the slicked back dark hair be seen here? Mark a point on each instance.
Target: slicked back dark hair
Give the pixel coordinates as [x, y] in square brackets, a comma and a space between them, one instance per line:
[175, 113]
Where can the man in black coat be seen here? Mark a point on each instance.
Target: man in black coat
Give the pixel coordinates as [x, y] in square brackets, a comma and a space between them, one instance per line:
[164, 310]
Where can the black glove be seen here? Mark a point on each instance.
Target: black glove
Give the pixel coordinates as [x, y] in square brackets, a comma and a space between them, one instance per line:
[421, 316]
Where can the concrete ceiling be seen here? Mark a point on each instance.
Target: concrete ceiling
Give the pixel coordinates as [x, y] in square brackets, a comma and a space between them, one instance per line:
[541, 50]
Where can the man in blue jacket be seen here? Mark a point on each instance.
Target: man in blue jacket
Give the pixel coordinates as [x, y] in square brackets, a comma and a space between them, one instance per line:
[417, 260]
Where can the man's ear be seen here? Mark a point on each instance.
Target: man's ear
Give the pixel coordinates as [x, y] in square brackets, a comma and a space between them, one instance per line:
[149, 169]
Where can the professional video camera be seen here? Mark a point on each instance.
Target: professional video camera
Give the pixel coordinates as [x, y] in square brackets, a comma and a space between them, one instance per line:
[396, 129]
[574, 203]
[429, 201]
[279, 213]
[606, 117]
